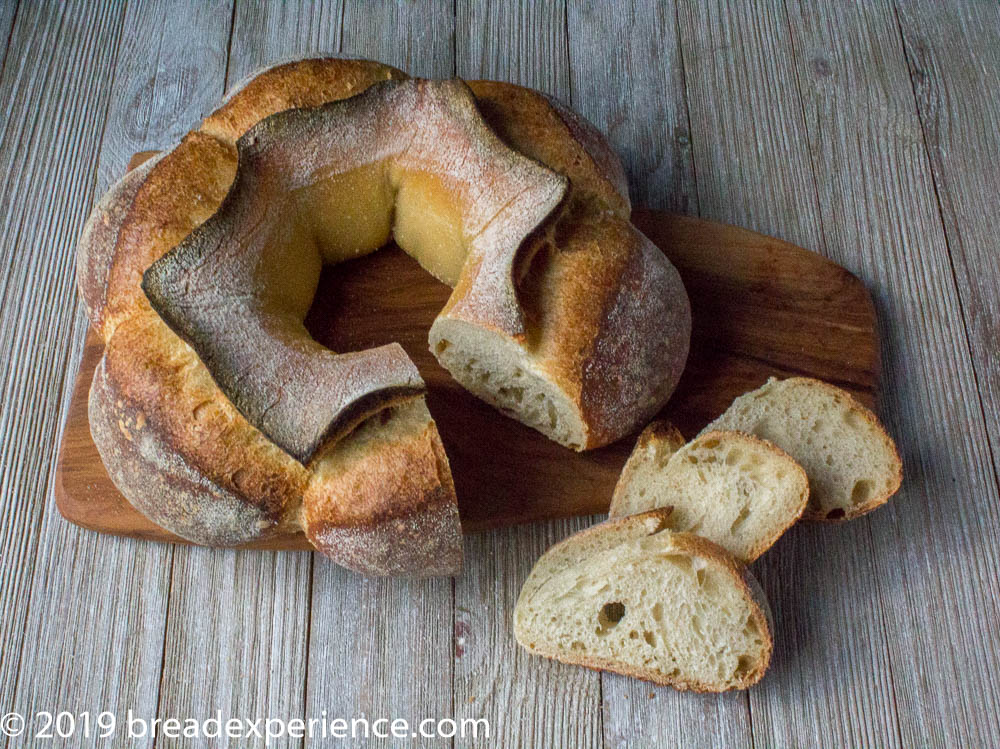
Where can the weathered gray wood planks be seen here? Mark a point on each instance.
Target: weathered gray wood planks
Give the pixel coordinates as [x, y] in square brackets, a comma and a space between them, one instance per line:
[528, 702]
[866, 132]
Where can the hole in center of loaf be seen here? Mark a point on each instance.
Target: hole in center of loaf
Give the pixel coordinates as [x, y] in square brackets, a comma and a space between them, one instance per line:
[387, 297]
[609, 616]
[380, 298]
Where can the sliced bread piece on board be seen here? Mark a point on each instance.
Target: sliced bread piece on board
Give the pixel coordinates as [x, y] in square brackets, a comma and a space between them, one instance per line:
[653, 450]
[732, 488]
[630, 596]
[852, 464]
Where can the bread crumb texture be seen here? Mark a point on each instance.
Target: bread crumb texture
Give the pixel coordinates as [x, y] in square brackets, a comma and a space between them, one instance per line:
[734, 489]
[852, 463]
[633, 597]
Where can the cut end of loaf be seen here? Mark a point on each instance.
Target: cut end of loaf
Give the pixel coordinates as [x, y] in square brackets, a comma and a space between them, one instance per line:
[852, 463]
[498, 371]
[631, 597]
[382, 501]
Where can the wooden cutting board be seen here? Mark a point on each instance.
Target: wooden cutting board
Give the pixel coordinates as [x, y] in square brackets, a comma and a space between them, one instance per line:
[761, 307]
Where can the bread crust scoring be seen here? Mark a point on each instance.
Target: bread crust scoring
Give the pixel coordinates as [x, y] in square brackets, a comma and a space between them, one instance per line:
[172, 443]
[589, 304]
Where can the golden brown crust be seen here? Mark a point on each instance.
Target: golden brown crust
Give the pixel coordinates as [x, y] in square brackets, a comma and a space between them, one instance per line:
[175, 446]
[661, 431]
[585, 348]
[610, 314]
[149, 470]
[391, 509]
[214, 288]
[597, 148]
[181, 424]
[641, 346]
[300, 83]
[99, 241]
[182, 189]
[543, 129]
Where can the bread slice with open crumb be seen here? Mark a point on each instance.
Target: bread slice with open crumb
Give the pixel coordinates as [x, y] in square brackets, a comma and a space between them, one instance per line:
[852, 464]
[650, 456]
[732, 488]
[630, 596]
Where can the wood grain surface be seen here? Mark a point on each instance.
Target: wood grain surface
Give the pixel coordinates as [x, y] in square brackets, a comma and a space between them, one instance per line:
[869, 132]
[761, 307]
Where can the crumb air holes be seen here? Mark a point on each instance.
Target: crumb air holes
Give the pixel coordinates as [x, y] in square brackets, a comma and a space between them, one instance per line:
[609, 616]
[442, 346]
[744, 514]
[862, 492]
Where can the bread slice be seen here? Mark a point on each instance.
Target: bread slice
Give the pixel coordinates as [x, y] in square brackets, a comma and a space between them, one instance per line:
[630, 596]
[734, 489]
[653, 450]
[852, 464]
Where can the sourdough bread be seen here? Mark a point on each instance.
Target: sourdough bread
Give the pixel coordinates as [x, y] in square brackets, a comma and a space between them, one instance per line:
[852, 463]
[224, 444]
[630, 596]
[650, 456]
[734, 489]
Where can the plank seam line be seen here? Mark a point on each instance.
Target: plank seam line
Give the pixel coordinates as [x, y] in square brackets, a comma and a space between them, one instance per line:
[10, 38]
[309, 598]
[826, 252]
[910, 65]
[687, 106]
[229, 48]
[454, 652]
[163, 646]
[566, 49]
[156, 74]
[817, 208]
[340, 35]
[34, 559]
[454, 38]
